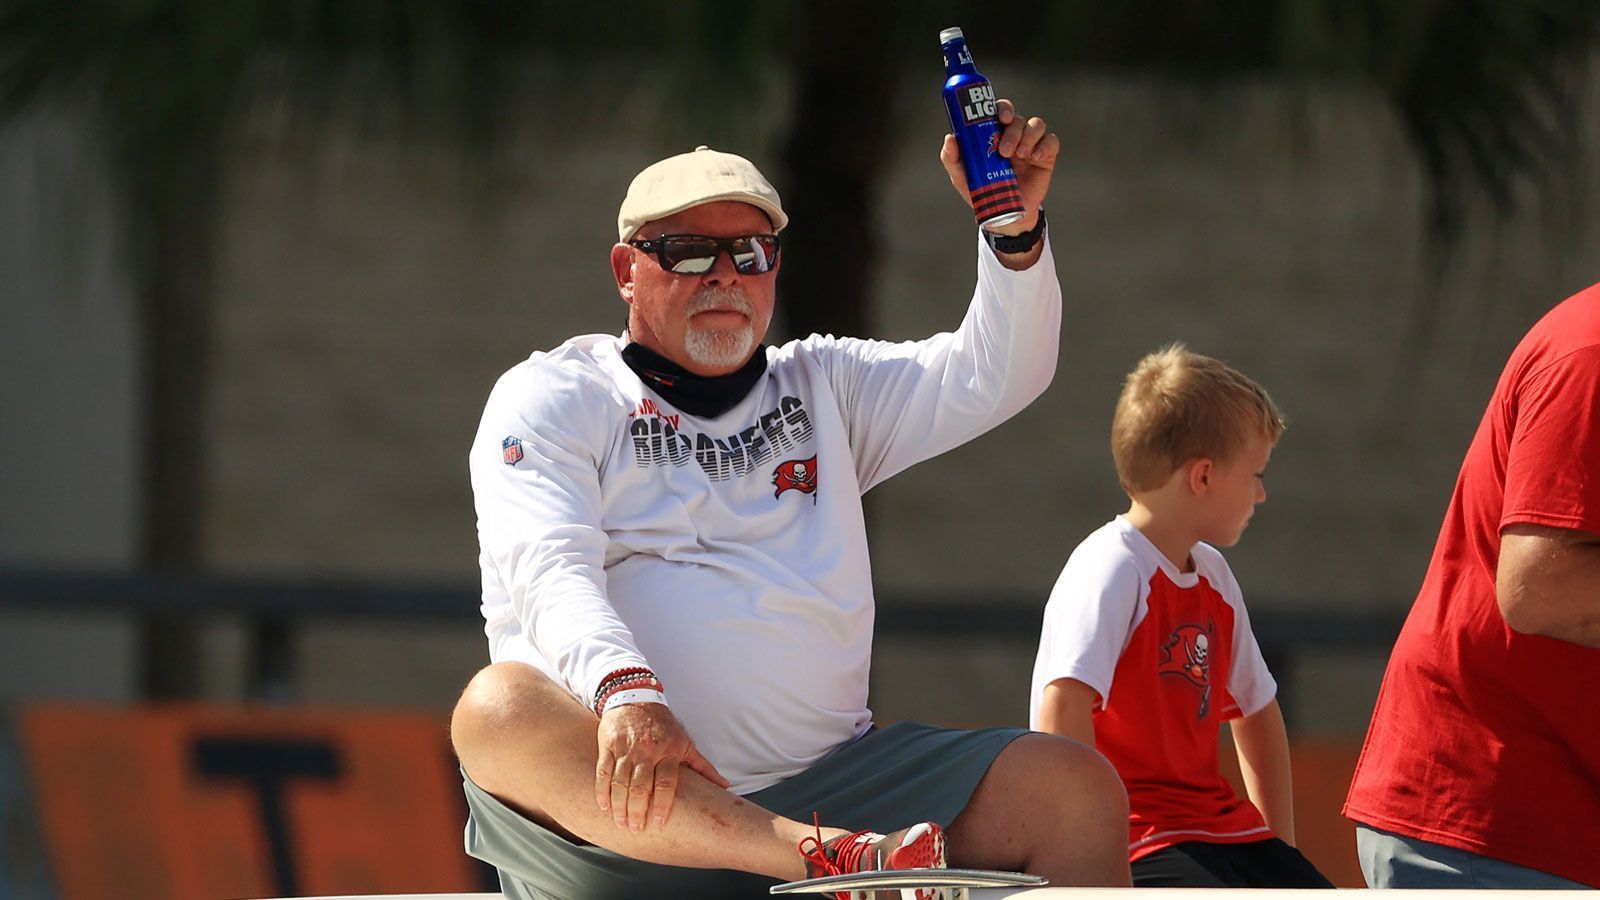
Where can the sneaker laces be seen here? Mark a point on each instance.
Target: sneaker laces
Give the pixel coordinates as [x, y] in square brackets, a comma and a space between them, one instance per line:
[848, 849]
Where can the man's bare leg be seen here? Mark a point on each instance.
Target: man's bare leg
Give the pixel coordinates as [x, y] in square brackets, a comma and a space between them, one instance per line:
[1047, 806]
[527, 742]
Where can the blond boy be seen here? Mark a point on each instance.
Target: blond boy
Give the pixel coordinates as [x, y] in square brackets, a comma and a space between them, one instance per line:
[1147, 649]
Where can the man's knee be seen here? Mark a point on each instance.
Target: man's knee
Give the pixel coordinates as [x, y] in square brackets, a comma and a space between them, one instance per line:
[1074, 775]
[510, 714]
[503, 697]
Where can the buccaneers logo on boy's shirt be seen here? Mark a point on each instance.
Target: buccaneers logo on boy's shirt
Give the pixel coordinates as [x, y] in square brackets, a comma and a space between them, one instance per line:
[1187, 653]
[795, 475]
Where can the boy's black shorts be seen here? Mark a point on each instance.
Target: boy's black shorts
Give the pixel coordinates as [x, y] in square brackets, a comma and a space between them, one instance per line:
[1268, 863]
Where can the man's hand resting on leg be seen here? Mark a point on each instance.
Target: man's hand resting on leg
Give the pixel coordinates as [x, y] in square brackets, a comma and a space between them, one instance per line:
[642, 746]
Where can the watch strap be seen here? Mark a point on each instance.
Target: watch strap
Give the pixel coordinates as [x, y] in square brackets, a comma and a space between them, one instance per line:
[1017, 243]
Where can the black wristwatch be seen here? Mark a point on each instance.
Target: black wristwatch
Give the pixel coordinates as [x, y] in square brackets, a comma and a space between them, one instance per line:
[1016, 243]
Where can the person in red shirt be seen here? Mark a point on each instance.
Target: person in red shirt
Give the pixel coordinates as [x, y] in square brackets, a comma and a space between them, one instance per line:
[1481, 767]
[1146, 648]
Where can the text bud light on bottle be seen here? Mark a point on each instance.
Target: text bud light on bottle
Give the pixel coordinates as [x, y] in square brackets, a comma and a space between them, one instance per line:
[970, 101]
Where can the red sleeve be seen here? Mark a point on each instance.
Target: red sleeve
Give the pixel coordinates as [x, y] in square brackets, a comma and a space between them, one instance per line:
[1553, 461]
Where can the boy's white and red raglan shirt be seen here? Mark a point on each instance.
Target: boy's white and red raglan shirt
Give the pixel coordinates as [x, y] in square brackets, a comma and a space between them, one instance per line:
[1172, 657]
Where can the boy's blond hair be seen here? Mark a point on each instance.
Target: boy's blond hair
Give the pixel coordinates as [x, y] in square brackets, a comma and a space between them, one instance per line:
[1177, 406]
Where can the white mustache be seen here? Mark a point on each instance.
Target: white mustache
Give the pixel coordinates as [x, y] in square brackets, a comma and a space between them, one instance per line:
[721, 298]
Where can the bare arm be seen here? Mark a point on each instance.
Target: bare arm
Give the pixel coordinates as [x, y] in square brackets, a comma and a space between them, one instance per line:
[1262, 743]
[1067, 709]
[1548, 582]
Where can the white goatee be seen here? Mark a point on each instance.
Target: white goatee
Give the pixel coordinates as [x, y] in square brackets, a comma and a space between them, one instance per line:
[720, 348]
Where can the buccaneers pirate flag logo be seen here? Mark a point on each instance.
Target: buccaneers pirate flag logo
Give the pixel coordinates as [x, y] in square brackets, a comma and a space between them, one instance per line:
[796, 475]
[1187, 654]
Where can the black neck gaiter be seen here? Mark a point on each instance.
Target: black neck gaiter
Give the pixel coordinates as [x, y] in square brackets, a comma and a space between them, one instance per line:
[705, 396]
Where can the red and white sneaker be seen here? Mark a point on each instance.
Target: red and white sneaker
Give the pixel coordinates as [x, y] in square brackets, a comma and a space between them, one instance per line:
[919, 847]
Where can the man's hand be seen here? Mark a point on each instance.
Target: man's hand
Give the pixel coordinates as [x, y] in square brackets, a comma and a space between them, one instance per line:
[1032, 149]
[642, 746]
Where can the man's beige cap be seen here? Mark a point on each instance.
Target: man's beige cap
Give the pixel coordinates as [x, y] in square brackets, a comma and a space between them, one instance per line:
[702, 175]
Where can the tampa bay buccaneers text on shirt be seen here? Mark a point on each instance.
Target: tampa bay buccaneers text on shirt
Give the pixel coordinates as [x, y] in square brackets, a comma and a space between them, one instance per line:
[657, 441]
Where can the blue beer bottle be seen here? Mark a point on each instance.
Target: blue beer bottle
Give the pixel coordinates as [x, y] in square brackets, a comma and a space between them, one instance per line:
[970, 101]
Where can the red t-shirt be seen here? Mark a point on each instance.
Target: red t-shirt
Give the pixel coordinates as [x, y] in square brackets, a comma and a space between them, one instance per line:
[1172, 657]
[1485, 739]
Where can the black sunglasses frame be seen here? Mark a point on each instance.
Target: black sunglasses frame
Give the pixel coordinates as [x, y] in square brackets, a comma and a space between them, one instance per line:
[658, 247]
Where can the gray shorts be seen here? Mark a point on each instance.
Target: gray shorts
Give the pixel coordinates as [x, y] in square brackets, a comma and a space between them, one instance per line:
[1390, 860]
[891, 778]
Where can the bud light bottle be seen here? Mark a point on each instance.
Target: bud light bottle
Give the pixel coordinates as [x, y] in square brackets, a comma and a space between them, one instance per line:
[970, 101]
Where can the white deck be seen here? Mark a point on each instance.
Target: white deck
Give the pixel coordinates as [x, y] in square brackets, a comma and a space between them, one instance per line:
[1120, 894]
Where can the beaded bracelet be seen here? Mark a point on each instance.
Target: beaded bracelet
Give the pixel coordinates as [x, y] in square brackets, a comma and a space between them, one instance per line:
[611, 685]
[627, 680]
[611, 680]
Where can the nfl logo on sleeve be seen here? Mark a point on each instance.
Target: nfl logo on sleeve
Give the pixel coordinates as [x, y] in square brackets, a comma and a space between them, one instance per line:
[511, 450]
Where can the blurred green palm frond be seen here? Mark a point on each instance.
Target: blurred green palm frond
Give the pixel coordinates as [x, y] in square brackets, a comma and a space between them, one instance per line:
[1486, 91]
[161, 72]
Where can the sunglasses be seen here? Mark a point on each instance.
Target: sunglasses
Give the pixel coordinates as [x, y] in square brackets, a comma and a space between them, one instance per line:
[695, 254]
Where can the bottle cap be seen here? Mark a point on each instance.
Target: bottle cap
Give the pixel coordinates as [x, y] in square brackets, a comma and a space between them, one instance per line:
[949, 34]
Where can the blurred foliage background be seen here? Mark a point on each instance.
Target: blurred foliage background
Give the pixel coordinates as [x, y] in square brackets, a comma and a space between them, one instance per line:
[1361, 202]
[1486, 91]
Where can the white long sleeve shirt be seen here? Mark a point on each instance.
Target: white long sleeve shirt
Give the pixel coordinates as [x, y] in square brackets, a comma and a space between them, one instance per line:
[729, 553]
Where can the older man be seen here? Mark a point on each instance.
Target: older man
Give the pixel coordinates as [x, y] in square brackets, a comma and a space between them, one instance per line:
[677, 590]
